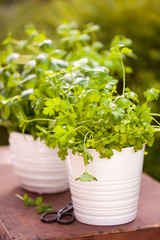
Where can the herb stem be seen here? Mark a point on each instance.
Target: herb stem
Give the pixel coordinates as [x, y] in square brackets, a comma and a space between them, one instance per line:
[156, 121]
[100, 140]
[82, 127]
[29, 46]
[40, 119]
[123, 70]
[20, 197]
[157, 130]
[84, 121]
[85, 140]
[155, 114]
[36, 119]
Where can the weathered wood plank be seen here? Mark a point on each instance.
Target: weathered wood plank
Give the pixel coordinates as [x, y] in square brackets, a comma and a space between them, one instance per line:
[19, 222]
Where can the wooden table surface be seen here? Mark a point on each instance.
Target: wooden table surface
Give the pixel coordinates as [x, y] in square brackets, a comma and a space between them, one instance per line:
[19, 222]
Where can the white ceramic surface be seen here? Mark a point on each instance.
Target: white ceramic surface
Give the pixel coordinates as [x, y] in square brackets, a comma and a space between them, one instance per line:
[37, 167]
[113, 199]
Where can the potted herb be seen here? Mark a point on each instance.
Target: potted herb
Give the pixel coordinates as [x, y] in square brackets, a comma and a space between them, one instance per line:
[38, 168]
[105, 134]
[32, 72]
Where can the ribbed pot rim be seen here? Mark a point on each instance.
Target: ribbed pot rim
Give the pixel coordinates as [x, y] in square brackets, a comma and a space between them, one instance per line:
[20, 134]
[93, 149]
[112, 182]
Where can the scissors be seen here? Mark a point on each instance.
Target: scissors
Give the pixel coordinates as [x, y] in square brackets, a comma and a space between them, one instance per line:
[63, 216]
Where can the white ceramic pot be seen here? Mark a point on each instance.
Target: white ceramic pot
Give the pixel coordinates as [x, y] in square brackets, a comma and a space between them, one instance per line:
[113, 199]
[37, 167]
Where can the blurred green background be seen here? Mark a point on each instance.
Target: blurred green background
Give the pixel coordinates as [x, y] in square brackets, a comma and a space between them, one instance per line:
[135, 19]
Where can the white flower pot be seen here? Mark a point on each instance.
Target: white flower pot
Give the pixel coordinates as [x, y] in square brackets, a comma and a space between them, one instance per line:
[37, 167]
[113, 199]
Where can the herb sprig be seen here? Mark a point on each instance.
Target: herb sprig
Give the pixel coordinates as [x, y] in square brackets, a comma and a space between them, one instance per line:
[38, 202]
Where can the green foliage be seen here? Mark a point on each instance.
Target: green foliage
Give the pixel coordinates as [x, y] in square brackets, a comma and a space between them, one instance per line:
[102, 119]
[33, 71]
[38, 202]
[151, 94]
[25, 77]
[28, 201]
[72, 101]
[86, 177]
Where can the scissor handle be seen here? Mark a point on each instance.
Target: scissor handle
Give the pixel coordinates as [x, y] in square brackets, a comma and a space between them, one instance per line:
[45, 220]
[66, 209]
[61, 218]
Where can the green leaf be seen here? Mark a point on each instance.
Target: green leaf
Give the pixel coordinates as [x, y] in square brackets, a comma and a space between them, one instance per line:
[54, 105]
[131, 95]
[44, 208]
[58, 63]
[119, 39]
[108, 104]
[123, 139]
[46, 46]
[30, 81]
[63, 140]
[99, 69]
[58, 53]
[8, 39]
[62, 154]
[59, 131]
[27, 93]
[12, 57]
[28, 201]
[49, 108]
[152, 94]
[84, 38]
[64, 105]
[87, 157]
[5, 111]
[18, 110]
[30, 29]
[115, 51]
[93, 95]
[123, 103]
[126, 50]
[39, 106]
[90, 27]
[118, 113]
[42, 62]
[86, 177]
[108, 153]
[38, 201]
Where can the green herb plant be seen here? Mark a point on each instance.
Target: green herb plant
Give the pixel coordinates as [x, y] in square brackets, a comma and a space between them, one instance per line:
[83, 43]
[24, 72]
[96, 116]
[32, 71]
[38, 202]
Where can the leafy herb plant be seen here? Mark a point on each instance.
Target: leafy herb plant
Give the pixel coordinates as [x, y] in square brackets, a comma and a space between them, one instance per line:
[69, 98]
[24, 70]
[96, 116]
[32, 71]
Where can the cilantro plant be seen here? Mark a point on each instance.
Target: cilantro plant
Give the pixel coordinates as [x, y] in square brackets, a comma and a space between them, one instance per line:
[96, 116]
